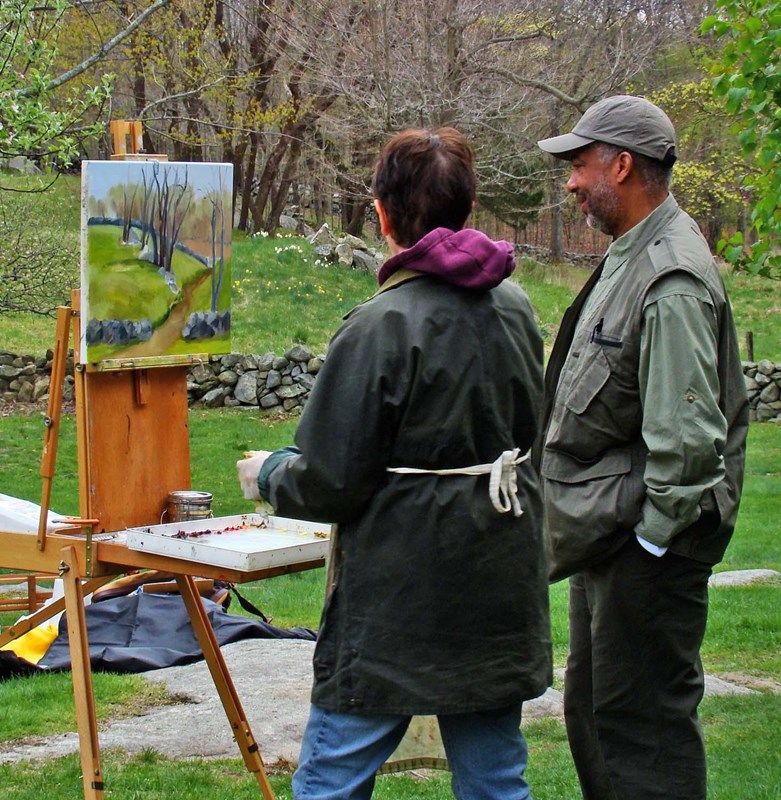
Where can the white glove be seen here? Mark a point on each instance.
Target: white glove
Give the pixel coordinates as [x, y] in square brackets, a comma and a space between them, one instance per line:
[249, 468]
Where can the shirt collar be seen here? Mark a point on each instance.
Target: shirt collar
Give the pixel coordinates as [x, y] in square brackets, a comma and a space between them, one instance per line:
[620, 248]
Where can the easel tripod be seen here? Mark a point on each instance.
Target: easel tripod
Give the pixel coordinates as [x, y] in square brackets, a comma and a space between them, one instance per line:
[125, 473]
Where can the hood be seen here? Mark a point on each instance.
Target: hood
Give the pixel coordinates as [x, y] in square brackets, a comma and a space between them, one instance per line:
[466, 258]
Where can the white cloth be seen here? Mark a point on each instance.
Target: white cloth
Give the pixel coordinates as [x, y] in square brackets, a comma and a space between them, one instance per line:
[249, 468]
[653, 549]
[502, 485]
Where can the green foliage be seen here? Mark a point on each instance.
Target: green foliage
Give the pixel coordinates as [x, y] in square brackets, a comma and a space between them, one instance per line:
[32, 121]
[706, 179]
[39, 256]
[748, 79]
[37, 268]
[511, 191]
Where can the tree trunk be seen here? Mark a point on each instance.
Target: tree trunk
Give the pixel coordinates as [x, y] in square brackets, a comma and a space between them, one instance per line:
[281, 195]
[557, 223]
[355, 223]
[270, 172]
[247, 179]
[318, 201]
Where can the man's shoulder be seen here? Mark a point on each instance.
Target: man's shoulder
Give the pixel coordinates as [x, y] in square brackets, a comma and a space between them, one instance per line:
[680, 239]
[682, 262]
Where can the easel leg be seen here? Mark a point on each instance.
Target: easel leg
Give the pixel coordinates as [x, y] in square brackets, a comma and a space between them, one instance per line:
[223, 683]
[82, 677]
[47, 612]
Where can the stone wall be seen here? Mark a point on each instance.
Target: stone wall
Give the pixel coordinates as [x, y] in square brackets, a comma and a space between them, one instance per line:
[273, 383]
[281, 384]
[763, 382]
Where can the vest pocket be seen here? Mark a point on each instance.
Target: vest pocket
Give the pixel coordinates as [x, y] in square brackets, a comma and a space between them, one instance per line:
[588, 383]
[600, 412]
[590, 508]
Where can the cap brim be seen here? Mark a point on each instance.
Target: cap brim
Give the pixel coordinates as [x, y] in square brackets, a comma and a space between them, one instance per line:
[561, 146]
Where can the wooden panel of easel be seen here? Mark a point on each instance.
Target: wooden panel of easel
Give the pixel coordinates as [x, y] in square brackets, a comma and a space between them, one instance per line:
[136, 446]
[128, 139]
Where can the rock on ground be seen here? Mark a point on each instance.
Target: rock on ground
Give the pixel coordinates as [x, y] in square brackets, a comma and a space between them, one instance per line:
[743, 577]
[272, 678]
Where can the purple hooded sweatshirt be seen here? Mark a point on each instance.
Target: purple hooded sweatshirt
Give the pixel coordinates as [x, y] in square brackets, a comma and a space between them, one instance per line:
[466, 258]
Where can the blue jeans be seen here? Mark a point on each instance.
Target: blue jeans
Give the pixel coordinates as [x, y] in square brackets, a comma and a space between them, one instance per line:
[341, 753]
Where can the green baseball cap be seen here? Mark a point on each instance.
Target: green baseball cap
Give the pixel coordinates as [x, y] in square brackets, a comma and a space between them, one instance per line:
[624, 120]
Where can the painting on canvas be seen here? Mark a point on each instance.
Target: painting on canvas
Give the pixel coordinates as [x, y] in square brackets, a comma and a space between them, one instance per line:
[155, 260]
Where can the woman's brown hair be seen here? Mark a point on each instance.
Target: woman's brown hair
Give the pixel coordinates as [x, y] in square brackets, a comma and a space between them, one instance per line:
[424, 181]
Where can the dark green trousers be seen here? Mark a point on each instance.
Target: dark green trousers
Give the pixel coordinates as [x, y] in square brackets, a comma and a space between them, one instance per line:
[634, 677]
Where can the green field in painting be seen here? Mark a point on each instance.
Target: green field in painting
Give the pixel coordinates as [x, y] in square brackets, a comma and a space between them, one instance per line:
[123, 286]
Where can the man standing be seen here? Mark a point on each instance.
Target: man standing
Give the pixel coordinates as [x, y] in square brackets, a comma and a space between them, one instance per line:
[641, 454]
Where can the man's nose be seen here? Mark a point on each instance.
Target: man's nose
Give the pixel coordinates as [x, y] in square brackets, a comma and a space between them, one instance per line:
[572, 185]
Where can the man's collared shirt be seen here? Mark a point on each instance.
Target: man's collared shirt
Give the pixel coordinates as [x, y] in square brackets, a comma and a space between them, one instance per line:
[683, 426]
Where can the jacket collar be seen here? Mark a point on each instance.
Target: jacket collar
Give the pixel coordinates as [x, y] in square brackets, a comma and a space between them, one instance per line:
[402, 275]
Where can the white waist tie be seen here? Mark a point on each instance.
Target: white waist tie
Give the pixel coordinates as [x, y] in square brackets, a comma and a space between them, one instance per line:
[502, 485]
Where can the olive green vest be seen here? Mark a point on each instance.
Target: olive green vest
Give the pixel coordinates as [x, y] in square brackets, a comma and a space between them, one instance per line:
[594, 456]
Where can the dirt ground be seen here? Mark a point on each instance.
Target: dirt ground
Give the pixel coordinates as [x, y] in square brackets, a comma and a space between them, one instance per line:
[272, 679]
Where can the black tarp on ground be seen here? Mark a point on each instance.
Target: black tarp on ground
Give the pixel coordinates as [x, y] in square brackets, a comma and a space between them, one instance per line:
[145, 631]
[11, 666]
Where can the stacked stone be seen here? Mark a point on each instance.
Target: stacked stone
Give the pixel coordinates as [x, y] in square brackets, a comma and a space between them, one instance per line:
[542, 255]
[281, 384]
[346, 251]
[275, 384]
[763, 383]
[26, 378]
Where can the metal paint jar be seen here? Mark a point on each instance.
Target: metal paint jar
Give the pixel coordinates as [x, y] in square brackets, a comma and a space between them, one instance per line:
[185, 505]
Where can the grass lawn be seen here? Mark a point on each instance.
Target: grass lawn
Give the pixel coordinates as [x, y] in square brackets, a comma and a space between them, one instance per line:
[742, 641]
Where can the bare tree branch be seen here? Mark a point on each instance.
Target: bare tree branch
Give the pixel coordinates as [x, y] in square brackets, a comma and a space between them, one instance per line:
[99, 54]
[548, 88]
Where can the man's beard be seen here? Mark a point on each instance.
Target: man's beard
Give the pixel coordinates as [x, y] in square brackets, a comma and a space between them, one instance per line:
[602, 207]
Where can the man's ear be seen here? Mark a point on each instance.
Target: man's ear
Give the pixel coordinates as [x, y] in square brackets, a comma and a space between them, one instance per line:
[623, 166]
[385, 229]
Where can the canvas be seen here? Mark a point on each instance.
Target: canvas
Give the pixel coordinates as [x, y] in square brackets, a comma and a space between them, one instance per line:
[155, 260]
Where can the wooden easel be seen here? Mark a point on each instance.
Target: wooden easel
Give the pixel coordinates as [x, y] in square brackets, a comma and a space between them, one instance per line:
[35, 598]
[114, 412]
[126, 470]
[127, 137]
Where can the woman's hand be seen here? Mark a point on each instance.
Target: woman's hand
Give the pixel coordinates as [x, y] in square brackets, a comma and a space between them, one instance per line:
[249, 468]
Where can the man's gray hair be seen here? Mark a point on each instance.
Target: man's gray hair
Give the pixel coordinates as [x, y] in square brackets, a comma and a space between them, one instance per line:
[656, 177]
